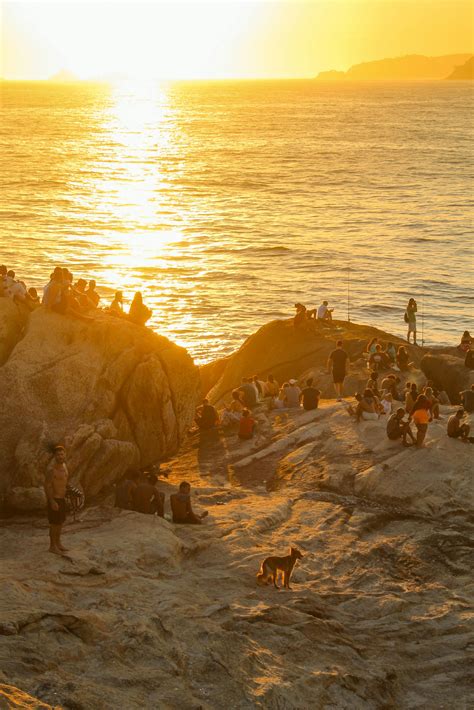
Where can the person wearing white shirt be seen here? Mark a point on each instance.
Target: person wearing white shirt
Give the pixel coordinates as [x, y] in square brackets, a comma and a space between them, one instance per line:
[324, 313]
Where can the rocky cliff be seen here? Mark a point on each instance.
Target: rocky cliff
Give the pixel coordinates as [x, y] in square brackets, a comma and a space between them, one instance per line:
[463, 72]
[411, 67]
[114, 393]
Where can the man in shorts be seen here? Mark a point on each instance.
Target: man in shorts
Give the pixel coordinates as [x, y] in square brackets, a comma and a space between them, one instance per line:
[457, 429]
[398, 428]
[55, 488]
[337, 364]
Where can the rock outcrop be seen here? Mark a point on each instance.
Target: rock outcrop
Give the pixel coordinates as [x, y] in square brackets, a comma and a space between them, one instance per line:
[114, 393]
[464, 72]
[448, 373]
[285, 351]
[145, 614]
[412, 67]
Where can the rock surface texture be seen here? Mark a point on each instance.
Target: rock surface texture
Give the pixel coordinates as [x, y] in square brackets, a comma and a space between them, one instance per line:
[145, 614]
[114, 393]
[448, 373]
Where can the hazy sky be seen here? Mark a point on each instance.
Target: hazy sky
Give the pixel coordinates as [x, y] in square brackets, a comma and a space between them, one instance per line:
[196, 39]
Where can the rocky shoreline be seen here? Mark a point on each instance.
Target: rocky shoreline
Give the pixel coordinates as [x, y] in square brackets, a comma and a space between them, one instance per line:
[142, 613]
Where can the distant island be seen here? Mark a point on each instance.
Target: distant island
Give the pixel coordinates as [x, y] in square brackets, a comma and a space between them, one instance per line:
[64, 76]
[410, 68]
[464, 71]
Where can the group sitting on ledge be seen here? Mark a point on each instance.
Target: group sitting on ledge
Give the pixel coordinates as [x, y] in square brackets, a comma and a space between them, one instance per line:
[62, 295]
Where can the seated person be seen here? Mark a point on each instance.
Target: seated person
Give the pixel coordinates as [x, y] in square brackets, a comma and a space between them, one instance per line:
[232, 412]
[325, 313]
[371, 346]
[247, 425]
[469, 360]
[181, 507]
[368, 406]
[372, 383]
[303, 315]
[309, 396]
[433, 403]
[271, 387]
[386, 403]
[279, 402]
[456, 428]
[206, 416]
[125, 489]
[259, 386]
[147, 498]
[378, 360]
[92, 294]
[292, 394]
[138, 312]
[397, 427]
[355, 411]
[116, 307]
[390, 385]
[467, 399]
[391, 353]
[248, 392]
[403, 359]
[466, 342]
[32, 299]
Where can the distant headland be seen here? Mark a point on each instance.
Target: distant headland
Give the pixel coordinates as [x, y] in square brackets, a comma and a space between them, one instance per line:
[409, 68]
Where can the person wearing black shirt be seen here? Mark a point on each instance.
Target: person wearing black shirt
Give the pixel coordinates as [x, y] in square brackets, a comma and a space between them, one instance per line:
[337, 364]
[206, 416]
[398, 428]
[309, 396]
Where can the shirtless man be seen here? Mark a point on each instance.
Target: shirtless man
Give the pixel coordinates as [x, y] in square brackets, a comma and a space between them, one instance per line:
[181, 507]
[55, 488]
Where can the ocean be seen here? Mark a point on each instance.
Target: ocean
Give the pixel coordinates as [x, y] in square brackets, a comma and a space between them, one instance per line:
[227, 202]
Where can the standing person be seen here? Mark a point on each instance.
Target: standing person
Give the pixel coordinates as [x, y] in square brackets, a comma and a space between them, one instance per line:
[421, 416]
[411, 397]
[55, 486]
[337, 364]
[410, 318]
[310, 396]
[325, 313]
[292, 394]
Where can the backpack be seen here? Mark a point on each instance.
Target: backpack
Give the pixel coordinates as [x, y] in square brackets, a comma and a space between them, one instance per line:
[75, 500]
[405, 317]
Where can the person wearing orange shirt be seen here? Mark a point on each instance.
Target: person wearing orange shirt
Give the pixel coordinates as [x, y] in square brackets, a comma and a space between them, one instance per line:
[421, 416]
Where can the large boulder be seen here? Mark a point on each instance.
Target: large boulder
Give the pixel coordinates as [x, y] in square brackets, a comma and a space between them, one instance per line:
[448, 373]
[285, 351]
[114, 393]
[12, 322]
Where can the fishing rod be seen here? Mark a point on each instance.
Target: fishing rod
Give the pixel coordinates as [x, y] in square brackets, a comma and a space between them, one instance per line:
[349, 294]
[423, 317]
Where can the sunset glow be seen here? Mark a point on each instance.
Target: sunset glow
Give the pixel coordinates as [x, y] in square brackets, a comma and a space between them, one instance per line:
[225, 39]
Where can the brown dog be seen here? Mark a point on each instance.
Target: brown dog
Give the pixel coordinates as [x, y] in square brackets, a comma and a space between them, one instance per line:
[270, 567]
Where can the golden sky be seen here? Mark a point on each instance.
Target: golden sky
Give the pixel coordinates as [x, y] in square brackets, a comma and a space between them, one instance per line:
[224, 38]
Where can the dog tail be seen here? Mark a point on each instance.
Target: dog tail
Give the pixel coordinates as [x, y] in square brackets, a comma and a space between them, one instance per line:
[262, 575]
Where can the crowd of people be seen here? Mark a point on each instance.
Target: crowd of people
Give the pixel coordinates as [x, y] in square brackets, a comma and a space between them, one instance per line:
[67, 296]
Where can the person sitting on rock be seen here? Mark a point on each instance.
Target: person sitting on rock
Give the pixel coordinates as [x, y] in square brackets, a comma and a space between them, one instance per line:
[466, 342]
[309, 396]
[259, 386]
[457, 429]
[372, 384]
[248, 392]
[433, 402]
[355, 410]
[390, 384]
[125, 489]
[420, 414]
[378, 360]
[292, 395]
[3, 281]
[92, 294]
[116, 307]
[411, 396]
[302, 315]
[403, 359]
[467, 399]
[272, 387]
[207, 417]
[139, 313]
[391, 353]
[279, 402]
[232, 412]
[147, 498]
[32, 299]
[247, 425]
[386, 403]
[371, 346]
[469, 360]
[369, 407]
[398, 428]
[181, 507]
[325, 313]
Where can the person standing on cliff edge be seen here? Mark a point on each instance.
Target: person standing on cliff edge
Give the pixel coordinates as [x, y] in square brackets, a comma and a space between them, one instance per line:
[337, 364]
[410, 318]
[55, 488]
